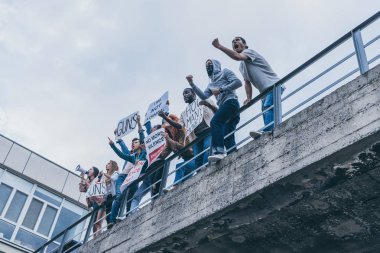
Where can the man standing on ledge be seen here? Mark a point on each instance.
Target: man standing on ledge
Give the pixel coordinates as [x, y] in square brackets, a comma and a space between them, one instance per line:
[256, 71]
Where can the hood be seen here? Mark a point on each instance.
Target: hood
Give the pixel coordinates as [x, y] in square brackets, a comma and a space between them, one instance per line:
[217, 70]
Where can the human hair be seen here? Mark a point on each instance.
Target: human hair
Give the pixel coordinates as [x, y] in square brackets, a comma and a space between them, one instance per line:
[114, 167]
[191, 90]
[96, 171]
[135, 139]
[243, 40]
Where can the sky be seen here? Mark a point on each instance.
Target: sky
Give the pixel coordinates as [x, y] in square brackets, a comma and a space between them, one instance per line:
[70, 70]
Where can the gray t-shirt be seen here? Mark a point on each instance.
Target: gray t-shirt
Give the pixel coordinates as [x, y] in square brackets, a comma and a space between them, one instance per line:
[257, 70]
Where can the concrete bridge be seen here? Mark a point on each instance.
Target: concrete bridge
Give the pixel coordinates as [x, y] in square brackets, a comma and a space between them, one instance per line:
[311, 186]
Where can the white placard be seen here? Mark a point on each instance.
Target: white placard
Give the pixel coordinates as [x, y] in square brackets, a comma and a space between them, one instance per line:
[157, 106]
[133, 174]
[192, 116]
[96, 189]
[126, 125]
[155, 144]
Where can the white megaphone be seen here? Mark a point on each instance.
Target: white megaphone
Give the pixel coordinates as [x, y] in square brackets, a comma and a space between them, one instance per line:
[81, 169]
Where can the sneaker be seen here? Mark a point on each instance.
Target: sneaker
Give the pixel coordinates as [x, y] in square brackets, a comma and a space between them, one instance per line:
[255, 134]
[110, 225]
[216, 158]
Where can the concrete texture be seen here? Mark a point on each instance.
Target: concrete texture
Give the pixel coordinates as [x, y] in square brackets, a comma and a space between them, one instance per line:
[311, 186]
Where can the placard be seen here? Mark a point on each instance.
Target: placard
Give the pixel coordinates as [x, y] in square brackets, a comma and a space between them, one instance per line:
[126, 125]
[133, 174]
[157, 106]
[192, 116]
[155, 144]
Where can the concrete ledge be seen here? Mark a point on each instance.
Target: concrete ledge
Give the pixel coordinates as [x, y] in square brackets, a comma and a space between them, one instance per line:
[330, 130]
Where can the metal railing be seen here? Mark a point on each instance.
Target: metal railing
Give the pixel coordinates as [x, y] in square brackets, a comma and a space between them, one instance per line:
[164, 167]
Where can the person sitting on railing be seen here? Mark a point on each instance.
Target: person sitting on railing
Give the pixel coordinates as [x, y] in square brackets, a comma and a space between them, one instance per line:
[209, 108]
[222, 86]
[256, 71]
[175, 140]
[139, 154]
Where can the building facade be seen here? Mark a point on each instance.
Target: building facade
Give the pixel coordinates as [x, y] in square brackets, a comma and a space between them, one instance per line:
[38, 199]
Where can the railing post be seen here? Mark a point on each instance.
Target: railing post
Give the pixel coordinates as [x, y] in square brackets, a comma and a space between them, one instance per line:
[60, 250]
[164, 176]
[277, 107]
[360, 52]
[90, 225]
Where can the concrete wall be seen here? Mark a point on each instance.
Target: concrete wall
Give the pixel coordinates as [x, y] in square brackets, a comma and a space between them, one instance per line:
[338, 126]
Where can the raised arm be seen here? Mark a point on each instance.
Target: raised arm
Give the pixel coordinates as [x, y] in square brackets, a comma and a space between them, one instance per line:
[201, 94]
[123, 147]
[231, 53]
[129, 158]
[169, 120]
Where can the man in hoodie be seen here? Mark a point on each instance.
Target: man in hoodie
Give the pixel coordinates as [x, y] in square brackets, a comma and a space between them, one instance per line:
[256, 71]
[222, 86]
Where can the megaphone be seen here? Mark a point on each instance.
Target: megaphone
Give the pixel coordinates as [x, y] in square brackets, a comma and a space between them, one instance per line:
[81, 169]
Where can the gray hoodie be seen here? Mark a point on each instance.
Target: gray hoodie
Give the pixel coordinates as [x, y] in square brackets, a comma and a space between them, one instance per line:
[224, 79]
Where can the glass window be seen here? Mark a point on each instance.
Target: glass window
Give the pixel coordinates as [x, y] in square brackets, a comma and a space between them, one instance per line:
[47, 220]
[29, 240]
[5, 191]
[32, 214]
[48, 196]
[6, 230]
[65, 219]
[17, 182]
[16, 206]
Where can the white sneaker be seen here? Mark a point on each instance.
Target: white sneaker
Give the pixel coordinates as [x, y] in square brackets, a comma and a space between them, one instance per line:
[216, 158]
[255, 134]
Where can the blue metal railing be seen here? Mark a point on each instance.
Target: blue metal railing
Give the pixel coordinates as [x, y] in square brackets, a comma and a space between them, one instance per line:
[363, 67]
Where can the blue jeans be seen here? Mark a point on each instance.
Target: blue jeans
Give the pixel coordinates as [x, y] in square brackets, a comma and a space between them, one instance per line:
[198, 148]
[269, 115]
[142, 190]
[221, 126]
[118, 197]
[183, 171]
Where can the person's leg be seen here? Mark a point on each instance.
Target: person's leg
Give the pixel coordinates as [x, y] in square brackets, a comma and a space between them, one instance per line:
[139, 193]
[118, 198]
[206, 144]
[179, 174]
[99, 220]
[189, 168]
[132, 190]
[267, 116]
[108, 208]
[221, 116]
[157, 180]
[230, 126]
[198, 148]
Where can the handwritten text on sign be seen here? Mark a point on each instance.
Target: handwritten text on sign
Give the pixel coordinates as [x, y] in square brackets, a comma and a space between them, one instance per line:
[155, 144]
[96, 189]
[192, 116]
[133, 174]
[126, 125]
[156, 106]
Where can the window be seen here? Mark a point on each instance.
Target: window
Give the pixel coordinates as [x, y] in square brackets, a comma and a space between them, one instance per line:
[29, 240]
[65, 219]
[16, 206]
[47, 196]
[6, 230]
[5, 192]
[32, 214]
[47, 220]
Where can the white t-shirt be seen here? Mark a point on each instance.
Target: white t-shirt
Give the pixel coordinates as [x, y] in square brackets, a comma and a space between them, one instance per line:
[257, 70]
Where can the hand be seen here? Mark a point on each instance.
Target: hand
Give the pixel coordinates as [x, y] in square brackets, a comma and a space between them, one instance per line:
[247, 101]
[138, 118]
[216, 43]
[110, 141]
[161, 114]
[204, 102]
[189, 79]
[165, 135]
[215, 92]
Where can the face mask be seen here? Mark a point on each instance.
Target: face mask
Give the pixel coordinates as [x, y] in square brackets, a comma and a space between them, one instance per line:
[210, 69]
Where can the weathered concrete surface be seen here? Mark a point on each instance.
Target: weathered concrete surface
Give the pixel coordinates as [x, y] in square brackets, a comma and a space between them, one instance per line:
[311, 186]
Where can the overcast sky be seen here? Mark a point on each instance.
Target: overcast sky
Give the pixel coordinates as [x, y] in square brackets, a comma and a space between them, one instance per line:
[70, 70]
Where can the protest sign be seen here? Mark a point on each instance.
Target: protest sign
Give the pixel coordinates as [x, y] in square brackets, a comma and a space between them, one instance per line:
[156, 106]
[96, 189]
[126, 125]
[192, 116]
[133, 174]
[154, 144]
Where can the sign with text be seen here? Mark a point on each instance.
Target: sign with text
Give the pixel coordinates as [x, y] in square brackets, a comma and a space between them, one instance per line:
[155, 144]
[133, 174]
[156, 106]
[96, 189]
[192, 116]
[126, 125]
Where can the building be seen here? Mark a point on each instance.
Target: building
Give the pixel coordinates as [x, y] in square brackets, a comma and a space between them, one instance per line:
[38, 199]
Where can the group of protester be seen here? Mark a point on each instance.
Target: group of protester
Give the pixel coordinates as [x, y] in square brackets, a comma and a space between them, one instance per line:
[221, 118]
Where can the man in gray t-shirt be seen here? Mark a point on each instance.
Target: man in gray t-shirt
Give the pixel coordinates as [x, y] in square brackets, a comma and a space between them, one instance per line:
[256, 71]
